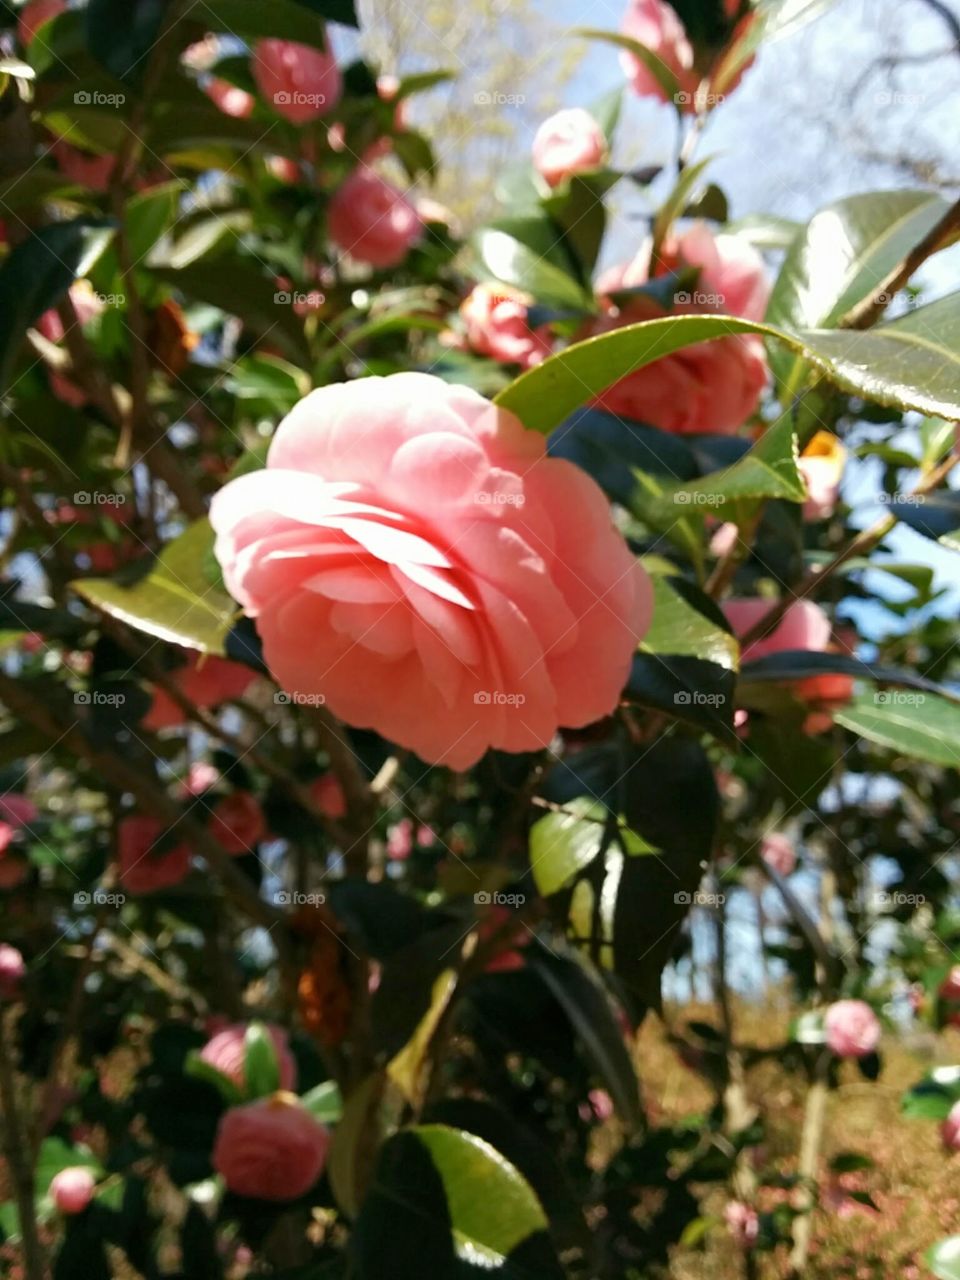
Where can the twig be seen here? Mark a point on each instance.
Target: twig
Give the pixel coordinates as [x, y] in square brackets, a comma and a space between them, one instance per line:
[17, 1149]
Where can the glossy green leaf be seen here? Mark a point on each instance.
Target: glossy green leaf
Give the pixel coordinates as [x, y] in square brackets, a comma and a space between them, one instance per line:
[579, 990]
[261, 1068]
[176, 600]
[911, 363]
[698, 692]
[515, 251]
[935, 515]
[924, 726]
[685, 621]
[37, 274]
[768, 470]
[444, 1199]
[324, 1102]
[562, 844]
[656, 66]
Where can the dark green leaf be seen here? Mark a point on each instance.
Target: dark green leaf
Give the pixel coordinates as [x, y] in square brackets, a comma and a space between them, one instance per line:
[935, 515]
[122, 33]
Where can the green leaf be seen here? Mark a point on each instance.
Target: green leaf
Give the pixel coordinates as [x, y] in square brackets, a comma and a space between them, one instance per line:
[523, 252]
[765, 231]
[656, 66]
[261, 1070]
[324, 1102]
[122, 33]
[584, 998]
[686, 688]
[676, 202]
[37, 274]
[200, 1069]
[943, 1258]
[443, 1200]
[686, 621]
[842, 256]
[768, 470]
[241, 289]
[935, 515]
[911, 363]
[578, 208]
[562, 844]
[936, 440]
[176, 599]
[923, 725]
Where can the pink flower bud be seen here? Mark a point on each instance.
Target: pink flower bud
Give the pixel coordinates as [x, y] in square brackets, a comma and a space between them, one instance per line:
[272, 1149]
[12, 970]
[227, 1051]
[778, 852]
[950, 1129]
[853, 1029]
[71, 1190]
[567, 143]
[300, 83]
[655, 24]
[372, 221]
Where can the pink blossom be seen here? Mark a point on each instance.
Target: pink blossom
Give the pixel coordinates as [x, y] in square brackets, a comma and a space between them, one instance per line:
[778, 852]
[372, 221]
[34, 14]
[655, 24]
[743, 1222]
[460, 589]
[143, 867]
[226, 1051]
[853, 1029]
[272, 1149]
[300, 82]
[566, 144]
[71, 1190]
[496, 319]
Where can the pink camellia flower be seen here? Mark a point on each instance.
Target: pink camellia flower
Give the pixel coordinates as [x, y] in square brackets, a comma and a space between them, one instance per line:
[743, 1222]
[33, 16]
[804, 625]
[144, 867]
[711, 386]
[238, 822]
[71, 1190]
[17, 810]
[495, 316]
[778, 852]
[655, 24]
[230, 98]
[12, 971]
[821, 465]
[206, 681]
[372, 221]
[302, 83]
[201, 776]
[226, 1051]
[853, 1029]
[328, 796]
[567, 143]
[272, 1149]
[950, 1129]
[460, 589]
[81, 167]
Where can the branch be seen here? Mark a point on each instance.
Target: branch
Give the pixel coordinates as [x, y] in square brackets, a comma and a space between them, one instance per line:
[867, 312]
[17, 1148]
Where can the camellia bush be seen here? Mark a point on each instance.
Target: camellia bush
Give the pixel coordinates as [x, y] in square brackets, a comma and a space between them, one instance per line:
[416, 642]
